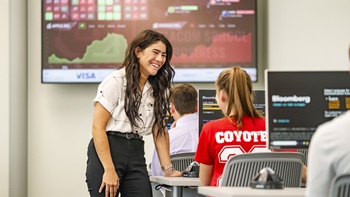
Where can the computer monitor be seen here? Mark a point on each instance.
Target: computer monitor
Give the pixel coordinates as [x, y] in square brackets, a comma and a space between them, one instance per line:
[208, 109]
[299, 101]
[169, 120]
[85, 40]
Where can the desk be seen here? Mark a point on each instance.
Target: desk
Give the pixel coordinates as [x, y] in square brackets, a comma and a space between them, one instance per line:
[249, 192]
[177, 183]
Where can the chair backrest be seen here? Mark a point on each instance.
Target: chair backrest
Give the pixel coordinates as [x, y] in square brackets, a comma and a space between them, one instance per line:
[180, 161]
[340, 186]
[240, 169]
[305, 153]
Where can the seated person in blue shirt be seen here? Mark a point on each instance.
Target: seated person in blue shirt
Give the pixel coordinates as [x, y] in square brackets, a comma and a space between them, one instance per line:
[183, 133]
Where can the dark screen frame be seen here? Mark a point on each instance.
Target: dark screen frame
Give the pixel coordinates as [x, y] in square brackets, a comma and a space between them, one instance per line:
[306, 117]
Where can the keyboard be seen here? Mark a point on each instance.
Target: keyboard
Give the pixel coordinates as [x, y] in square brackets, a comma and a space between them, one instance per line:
[291, 135]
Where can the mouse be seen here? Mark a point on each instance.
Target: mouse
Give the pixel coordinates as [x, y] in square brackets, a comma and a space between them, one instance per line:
[192, 170]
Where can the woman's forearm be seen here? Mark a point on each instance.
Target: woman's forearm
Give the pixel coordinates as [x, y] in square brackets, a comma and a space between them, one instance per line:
[103, 149]
[101, 116]
[162, 146]
[205, 174]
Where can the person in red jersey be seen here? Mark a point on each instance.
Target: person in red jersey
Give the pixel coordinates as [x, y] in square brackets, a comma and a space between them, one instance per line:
[242, 130]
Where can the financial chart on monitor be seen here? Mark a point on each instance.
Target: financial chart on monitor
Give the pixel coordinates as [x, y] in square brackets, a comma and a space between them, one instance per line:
[85, 40]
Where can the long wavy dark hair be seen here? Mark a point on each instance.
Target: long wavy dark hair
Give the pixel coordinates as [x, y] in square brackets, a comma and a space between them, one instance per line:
[161, 82]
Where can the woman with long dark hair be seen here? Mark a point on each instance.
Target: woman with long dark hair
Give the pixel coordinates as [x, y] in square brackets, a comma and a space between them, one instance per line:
[131, 103]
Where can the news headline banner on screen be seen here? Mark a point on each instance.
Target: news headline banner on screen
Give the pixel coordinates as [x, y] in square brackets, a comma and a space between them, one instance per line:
[299, 101]
[86, 36]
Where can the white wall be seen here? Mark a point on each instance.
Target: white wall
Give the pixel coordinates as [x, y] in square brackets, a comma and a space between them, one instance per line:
[18, 99]
[4, 98]
[308, 35]
[312, 34]
[59, 119]
[13, 80]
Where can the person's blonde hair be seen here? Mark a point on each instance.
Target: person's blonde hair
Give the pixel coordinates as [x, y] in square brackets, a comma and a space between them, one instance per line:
[239, 88]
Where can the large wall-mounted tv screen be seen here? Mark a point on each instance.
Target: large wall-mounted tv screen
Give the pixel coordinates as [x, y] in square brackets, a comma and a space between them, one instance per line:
[85, 40]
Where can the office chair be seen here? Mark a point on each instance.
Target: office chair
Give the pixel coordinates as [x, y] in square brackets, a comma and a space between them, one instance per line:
[180, 161]
[305, 153]
[240, 169]
[340, 186]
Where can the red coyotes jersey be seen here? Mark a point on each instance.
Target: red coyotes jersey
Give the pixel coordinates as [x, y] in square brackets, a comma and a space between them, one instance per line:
[219, 140]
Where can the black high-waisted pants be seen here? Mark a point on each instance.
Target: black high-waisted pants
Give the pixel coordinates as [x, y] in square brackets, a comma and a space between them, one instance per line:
[128, 156]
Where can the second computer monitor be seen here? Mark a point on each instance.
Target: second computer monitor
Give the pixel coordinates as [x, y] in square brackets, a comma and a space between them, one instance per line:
[299, 101]
[208, 109]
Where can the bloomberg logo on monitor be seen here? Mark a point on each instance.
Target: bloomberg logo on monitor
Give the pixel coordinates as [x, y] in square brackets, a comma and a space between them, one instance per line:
[290, 101]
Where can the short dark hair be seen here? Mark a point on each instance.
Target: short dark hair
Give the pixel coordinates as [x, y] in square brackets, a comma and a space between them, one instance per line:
[184, 98]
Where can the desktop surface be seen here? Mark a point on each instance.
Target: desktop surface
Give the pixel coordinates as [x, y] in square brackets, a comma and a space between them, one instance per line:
[176, 181]
[249, 192]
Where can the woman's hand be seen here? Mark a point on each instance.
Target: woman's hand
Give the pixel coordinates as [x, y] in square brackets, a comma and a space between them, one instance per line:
[303, 178]
[174, 173]
[110, 180]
